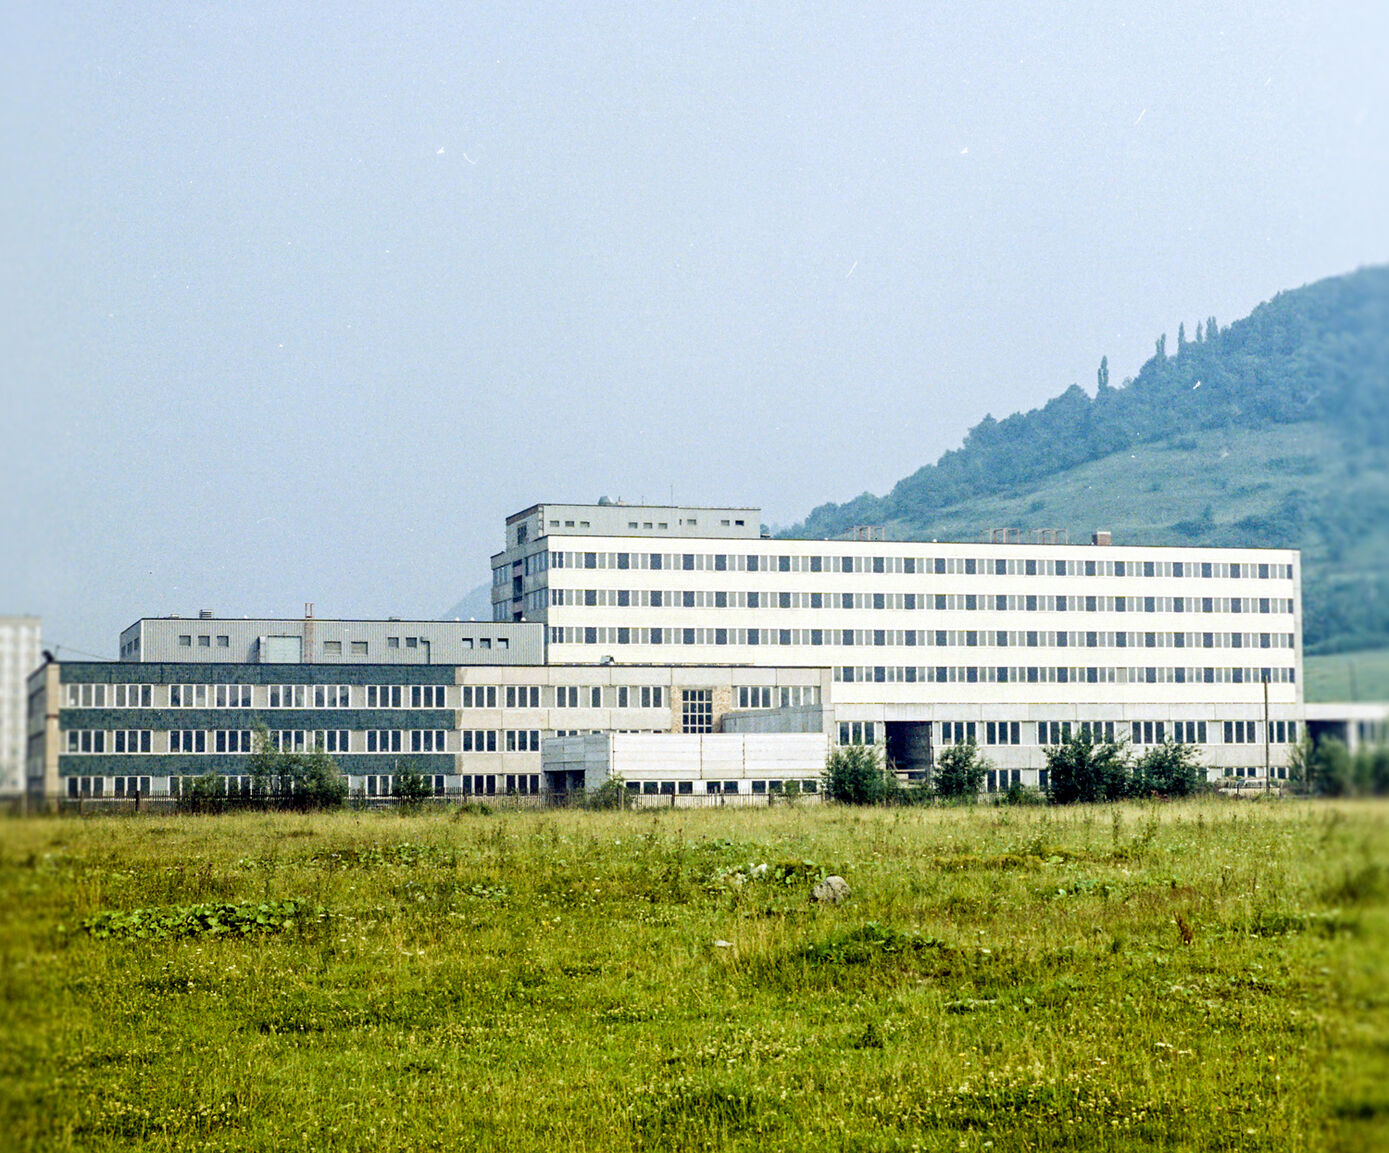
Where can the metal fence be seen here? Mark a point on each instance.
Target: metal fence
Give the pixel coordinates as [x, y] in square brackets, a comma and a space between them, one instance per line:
[450, 800]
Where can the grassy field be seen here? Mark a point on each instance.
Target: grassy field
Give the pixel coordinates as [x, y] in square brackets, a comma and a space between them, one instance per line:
[1362, 676]
[1208, 975]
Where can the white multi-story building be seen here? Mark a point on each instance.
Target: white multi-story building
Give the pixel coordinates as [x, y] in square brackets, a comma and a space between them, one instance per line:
[1012, 644]
[20, 641]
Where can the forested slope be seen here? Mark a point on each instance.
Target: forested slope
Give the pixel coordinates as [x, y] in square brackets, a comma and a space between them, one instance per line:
[1273, 431]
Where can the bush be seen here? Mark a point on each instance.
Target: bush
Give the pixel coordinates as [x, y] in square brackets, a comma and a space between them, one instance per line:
[1082, 769]
[960, 772]
[1331, 772]
[611, 794]
[411, 787]
[205, 794]
[302, 781]
[1169, 770]
[854, 775]
[1022, 795]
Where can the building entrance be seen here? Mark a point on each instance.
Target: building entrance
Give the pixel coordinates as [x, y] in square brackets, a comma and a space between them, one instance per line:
[909, 749]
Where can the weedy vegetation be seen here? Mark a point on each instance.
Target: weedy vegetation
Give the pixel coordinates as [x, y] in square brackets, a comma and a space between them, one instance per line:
[1195, 975]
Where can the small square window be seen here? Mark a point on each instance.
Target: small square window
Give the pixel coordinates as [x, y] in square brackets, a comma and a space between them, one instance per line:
[393, 642]
[185, 641]
[224, 642]
[359, 648]
[412, 642]
[204, 642]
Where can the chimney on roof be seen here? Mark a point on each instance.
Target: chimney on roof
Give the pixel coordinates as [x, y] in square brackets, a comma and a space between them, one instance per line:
[204, 614]
[1100, 538]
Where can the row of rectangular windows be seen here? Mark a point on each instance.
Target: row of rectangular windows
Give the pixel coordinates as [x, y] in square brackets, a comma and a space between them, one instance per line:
[564, 696]
[776, 696]
[1094, 639]
[373, 785]
[994, 733]
[306, 740]
[1060, 675]
[722, 788]
[906, 602]
[1009, 638]
[238, 696]
[908, 638]
[334, 648]
[911, 565]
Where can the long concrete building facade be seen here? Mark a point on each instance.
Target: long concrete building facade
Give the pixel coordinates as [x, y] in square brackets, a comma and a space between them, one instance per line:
[1011, 644]
[677, 620]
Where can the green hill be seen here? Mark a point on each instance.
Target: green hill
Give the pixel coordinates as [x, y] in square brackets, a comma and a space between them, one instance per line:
[1272, 432]
[1359, 676]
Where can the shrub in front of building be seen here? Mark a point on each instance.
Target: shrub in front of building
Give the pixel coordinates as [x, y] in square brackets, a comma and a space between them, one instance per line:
[854, 776]
[960, 772]
[1082, 769]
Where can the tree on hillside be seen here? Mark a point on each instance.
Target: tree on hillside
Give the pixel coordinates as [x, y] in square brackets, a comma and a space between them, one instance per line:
[960, 772]
[1083, 769]
[1104, 373]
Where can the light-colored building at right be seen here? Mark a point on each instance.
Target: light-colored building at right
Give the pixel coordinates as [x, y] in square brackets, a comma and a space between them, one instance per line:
[1012, 642]
[21, 638]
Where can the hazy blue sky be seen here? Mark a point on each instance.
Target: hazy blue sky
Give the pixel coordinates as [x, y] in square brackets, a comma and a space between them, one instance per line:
[301, 300]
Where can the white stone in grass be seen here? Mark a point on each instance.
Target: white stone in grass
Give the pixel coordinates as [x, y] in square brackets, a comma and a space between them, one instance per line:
[831, 891]
[723, 944]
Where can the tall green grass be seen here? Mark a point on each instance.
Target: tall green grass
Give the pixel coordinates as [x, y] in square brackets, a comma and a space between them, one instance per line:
[1208, 975]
